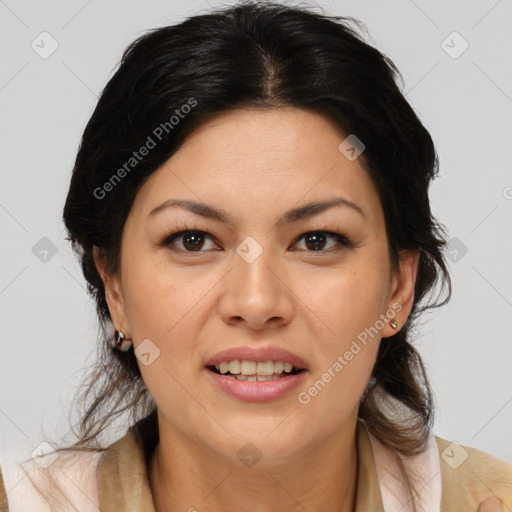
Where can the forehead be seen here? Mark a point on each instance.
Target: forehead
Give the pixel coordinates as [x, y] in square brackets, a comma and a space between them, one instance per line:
[254, 159]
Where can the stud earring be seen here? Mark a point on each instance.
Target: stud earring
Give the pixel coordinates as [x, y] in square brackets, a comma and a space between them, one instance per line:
[393, 323]
[121, 343]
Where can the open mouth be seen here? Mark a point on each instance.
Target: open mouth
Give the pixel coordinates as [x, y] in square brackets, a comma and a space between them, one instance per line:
[255, 372]
[254, 377]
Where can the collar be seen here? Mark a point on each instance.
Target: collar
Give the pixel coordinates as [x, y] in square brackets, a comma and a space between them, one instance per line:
[123, 479]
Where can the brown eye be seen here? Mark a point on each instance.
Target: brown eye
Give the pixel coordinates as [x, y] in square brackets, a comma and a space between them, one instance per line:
[191, 241]
[316, 241]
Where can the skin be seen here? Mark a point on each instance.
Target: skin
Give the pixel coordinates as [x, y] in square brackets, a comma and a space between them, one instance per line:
[256, 165]
[491, 504]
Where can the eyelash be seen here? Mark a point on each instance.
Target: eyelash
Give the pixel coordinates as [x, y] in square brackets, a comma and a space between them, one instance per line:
[169, 239]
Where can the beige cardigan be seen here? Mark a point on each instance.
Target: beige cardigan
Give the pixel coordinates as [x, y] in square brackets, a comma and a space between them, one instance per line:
[116, 480]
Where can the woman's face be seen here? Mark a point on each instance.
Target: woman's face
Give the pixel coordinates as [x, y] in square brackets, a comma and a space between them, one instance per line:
[258, 278]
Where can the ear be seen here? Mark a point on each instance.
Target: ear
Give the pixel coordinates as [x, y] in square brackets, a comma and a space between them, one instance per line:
[402, 291]
[113, 292]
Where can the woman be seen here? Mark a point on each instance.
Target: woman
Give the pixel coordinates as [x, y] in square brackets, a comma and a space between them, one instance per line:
[250, 206]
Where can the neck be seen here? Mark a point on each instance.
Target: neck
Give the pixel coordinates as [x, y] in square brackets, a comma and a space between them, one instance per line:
[185, 476]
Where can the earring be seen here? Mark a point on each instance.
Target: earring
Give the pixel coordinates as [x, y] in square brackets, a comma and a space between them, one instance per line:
[121, 343]
[393, 323]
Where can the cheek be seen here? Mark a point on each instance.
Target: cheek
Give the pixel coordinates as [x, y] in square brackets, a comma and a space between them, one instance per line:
[168, 306]
[338, 381]
[349, 304]
[345, 301]
[159, 300]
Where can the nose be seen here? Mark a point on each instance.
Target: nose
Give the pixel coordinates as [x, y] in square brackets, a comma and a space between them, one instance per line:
[257, 294]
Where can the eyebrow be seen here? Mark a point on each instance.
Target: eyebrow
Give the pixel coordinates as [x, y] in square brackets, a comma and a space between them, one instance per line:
[293, 215]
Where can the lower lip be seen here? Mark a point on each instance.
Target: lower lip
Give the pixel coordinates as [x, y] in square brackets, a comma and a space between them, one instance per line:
[257, 391]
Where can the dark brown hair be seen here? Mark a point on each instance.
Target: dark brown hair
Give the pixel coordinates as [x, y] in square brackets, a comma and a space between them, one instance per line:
[258, 55]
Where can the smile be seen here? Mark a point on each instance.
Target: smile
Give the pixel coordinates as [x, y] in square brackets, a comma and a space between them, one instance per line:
[253, 387]
[255, 370]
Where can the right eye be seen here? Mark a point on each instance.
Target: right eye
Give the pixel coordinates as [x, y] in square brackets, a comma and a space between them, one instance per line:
[190, 240]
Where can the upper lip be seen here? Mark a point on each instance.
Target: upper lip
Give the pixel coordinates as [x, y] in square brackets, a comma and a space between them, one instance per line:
[260, 354]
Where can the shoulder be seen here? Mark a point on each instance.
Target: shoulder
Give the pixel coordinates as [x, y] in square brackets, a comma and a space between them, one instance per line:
[58, 481]
[470, 475]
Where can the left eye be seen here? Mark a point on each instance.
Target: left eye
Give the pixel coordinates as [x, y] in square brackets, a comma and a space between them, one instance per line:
[193, 240]
[317, 239]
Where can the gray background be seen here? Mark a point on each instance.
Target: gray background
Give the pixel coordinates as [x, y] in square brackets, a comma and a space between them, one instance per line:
[47, 320]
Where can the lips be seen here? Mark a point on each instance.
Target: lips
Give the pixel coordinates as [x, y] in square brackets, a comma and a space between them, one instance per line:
[256, 377]
[256, 391]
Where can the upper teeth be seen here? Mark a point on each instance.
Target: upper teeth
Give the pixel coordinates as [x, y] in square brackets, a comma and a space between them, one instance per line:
[244, 367]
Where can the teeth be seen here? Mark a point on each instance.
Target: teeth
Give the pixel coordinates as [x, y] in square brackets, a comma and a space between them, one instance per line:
[234, 367]
[259, 378]
[265, 368]
[245, 370]
[248, 367]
